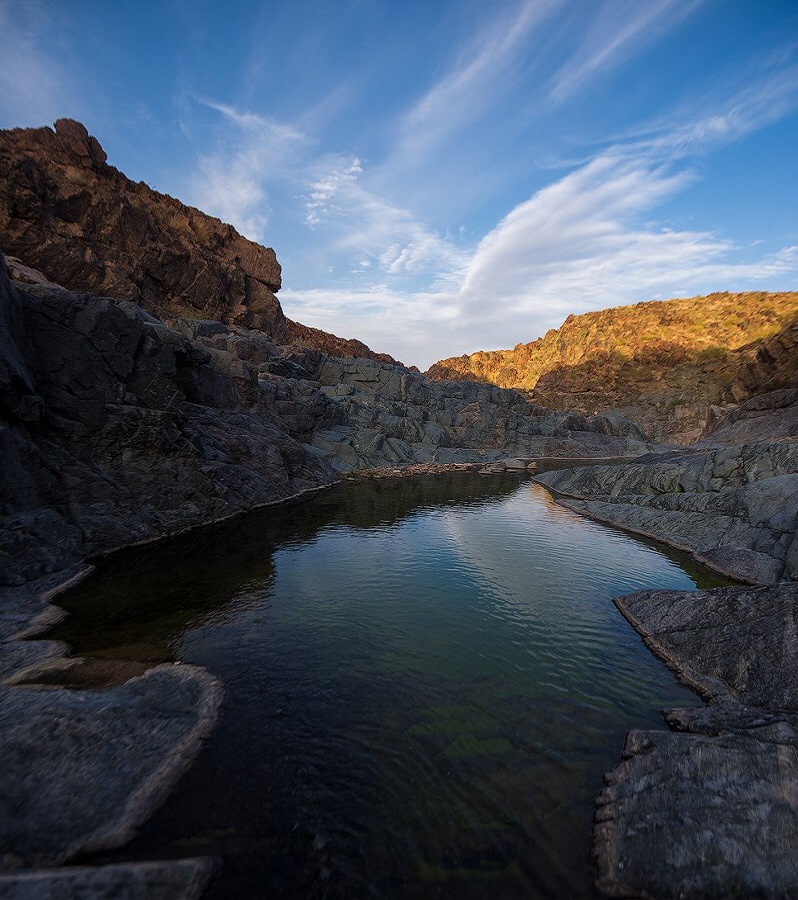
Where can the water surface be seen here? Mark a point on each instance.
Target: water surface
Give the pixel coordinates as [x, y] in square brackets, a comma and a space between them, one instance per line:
[425, 681]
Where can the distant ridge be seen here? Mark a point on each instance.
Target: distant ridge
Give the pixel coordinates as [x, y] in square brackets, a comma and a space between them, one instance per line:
[80, 221]
[669, 365]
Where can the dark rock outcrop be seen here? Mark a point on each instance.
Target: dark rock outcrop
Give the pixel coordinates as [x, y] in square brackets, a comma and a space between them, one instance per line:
[67, 213]
[735, 509]
[711, 811]
[115, 429]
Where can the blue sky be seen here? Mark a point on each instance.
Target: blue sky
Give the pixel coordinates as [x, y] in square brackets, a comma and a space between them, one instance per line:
[441, 177]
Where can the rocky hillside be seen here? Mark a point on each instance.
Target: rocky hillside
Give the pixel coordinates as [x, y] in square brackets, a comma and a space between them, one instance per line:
[674, 366]
[67, 213]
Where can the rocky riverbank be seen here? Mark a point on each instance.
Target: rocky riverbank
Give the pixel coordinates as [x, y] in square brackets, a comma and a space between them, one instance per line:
[720, 791]
[735, 509]
[711, 808]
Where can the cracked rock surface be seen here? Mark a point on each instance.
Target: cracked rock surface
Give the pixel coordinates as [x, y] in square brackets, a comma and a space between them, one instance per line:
[712, 809]
[734, 508]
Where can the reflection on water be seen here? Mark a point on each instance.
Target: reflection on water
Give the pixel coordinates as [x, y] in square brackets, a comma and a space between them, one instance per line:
[425, 681]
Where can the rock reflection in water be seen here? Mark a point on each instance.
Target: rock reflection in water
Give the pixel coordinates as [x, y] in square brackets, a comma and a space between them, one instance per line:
[425, 681]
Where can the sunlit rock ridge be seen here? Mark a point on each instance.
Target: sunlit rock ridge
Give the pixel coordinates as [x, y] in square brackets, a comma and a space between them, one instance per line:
[675, 367]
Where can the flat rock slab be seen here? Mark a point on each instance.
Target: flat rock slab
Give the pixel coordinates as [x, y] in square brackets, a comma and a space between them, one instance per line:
[82, 769]
[711, 814]
[183, 879]
[738, 644]
[692, 816]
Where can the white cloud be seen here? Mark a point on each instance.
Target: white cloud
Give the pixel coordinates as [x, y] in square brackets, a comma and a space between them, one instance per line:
[371, 230]
[322, 192]
[411, 326]
[619, 30]
[231, 182]
[35, 86]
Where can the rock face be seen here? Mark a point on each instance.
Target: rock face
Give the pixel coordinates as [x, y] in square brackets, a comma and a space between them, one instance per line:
[113, 429]
[363, 413]
[675, 367]
[67, 213]
[711, 811]
[735, 509]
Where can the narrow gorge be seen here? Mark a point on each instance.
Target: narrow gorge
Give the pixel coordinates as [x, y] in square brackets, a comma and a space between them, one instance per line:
[151, 385]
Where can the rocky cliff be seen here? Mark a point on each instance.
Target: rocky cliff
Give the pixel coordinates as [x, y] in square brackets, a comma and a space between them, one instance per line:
[113, 429]
[676, 367]
[67, 213]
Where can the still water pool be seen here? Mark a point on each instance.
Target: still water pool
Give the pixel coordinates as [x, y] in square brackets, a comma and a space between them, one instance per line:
[425, 681]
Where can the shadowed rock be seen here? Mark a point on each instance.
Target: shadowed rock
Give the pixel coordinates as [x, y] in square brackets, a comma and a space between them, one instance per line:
[735, 508]
[116, 429]
[82, 769]
[179, 879]
[713, 812]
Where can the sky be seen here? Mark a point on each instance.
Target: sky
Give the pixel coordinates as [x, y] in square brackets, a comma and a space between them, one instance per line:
[444, 176]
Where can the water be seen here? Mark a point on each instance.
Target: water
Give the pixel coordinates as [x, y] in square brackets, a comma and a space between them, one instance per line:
[425, 682]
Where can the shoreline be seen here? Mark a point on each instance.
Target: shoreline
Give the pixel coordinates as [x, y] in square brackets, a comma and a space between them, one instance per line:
[571, 502]
[40, 596]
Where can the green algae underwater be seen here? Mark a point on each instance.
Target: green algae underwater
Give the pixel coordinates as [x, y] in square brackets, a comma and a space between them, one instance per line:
[425, 680]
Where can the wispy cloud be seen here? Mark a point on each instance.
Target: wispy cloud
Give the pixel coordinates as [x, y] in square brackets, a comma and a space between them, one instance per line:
[35, 86]
[321, 197]
[369, 229]
[619, 30]
[718, 120]
[231, 182]
[462, 94]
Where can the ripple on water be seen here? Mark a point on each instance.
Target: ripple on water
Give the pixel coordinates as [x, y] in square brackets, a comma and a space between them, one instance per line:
[424, 687]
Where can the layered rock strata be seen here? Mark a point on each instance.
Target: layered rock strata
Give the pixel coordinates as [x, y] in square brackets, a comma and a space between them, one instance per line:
[712, 810]
[363, 413]
[735, 508]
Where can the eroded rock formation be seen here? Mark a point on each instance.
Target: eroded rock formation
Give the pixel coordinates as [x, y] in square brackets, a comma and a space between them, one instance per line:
[67, 213]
